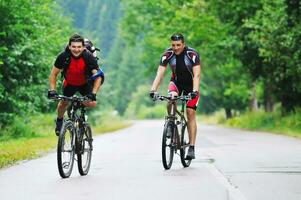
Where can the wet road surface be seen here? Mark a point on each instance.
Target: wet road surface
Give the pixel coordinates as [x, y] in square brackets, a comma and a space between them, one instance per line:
[230, 165]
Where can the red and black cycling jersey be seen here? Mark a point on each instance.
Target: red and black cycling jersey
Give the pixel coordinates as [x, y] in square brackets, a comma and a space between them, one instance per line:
[181, 65]
[76, 71]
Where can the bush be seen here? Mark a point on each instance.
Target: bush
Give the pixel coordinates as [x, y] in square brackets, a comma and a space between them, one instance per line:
[155, 112]
[289, 124]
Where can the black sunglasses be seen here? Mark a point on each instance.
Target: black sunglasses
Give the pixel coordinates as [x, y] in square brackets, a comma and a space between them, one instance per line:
[76, 40]
[177, 37]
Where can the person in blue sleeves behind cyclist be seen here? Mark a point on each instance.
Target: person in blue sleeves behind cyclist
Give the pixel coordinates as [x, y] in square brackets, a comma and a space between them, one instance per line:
[77, 64]
[186, 69]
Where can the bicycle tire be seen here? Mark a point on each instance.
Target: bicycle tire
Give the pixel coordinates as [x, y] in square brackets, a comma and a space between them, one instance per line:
[184, 146]
[167, 146]
[85, 154]
[66, 137]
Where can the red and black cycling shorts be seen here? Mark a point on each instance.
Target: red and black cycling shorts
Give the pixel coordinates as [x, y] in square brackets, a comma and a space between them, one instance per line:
[173, 87]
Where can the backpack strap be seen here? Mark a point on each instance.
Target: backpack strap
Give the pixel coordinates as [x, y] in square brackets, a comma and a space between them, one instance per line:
[66, 63]
[86, 60]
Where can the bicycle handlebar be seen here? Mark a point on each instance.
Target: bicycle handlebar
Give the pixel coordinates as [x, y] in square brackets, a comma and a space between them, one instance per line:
[170, 98]
[72, 99]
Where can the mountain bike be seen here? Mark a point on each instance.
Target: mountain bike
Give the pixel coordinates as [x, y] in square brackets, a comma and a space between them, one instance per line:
[172, 140]
[75, 138]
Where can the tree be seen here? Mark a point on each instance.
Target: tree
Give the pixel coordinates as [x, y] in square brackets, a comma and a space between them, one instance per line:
[276, 31]
[31, 34]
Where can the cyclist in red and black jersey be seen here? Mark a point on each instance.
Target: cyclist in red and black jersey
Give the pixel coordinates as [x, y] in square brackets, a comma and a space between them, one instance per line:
[78, 65]
[186, 69]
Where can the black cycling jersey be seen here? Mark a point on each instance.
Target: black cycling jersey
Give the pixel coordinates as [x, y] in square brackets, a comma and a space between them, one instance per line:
[183, 76]
[181, 65]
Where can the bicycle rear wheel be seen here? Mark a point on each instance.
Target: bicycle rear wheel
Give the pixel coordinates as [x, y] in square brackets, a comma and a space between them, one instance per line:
[65, 150]
[184, 146]
[85, 154]
[167, 146]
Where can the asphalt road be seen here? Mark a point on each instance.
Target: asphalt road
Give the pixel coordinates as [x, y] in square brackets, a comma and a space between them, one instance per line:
[230, 165]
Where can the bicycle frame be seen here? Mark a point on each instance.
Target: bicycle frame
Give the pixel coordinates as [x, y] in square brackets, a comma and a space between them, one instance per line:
[80, 135]
[173, 112]
[77, 120]
[172, 141]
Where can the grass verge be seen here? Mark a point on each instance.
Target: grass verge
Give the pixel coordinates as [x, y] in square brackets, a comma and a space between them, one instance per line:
[33, 137]
[274, 122]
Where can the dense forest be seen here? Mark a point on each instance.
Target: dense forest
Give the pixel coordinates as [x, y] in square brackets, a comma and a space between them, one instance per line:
[249, 50]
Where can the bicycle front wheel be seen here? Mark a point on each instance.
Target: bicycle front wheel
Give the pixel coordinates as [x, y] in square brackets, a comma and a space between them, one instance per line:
[167, 145]
[184, 146]
[85, 154]
[65, 150]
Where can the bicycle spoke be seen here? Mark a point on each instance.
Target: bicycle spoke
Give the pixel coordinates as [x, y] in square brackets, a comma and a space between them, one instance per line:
[167, 145]
[71, 141]
[84, 156]
[184, 146]
[65, 153]
[66, 165]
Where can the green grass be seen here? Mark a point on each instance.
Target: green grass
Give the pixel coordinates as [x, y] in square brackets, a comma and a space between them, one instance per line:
[12, 151]
[271, 122]
[33, 137]
[214, 119]
[274, 122]
[156, 112]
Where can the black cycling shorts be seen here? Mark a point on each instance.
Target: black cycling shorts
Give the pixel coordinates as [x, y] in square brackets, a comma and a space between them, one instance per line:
[70, 90]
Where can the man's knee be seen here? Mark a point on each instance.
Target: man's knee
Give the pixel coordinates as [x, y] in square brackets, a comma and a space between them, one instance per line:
[62, 104]
[90, 104]
[190, 113]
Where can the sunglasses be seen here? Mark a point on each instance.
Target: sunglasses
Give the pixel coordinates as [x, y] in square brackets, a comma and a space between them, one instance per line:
[177, 37]
[76, 40]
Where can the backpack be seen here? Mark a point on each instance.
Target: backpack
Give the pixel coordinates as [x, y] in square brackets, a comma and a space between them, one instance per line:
[90, 47]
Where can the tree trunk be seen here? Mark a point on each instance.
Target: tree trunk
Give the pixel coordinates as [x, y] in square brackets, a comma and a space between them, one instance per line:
[268, 97]
[228, 113]
[253, 105]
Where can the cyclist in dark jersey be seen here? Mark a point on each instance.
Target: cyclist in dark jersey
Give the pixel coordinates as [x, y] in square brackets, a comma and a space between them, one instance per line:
[77, 65]
[185, 79]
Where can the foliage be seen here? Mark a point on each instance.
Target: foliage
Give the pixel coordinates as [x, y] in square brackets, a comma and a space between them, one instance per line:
[244, 45]
[276, 31]
[146, 110]
[272, 122]
[98, 21]
[222, 83]
[31, 34]
[95, 19]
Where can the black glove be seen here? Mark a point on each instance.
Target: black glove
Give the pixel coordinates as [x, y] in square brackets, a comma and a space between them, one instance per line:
[52, 94]
[194, 94]
[91, 96]
[153, 94]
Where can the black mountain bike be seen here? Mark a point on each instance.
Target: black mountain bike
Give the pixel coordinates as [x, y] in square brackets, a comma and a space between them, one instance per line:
[172, 140]
[75, 138]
